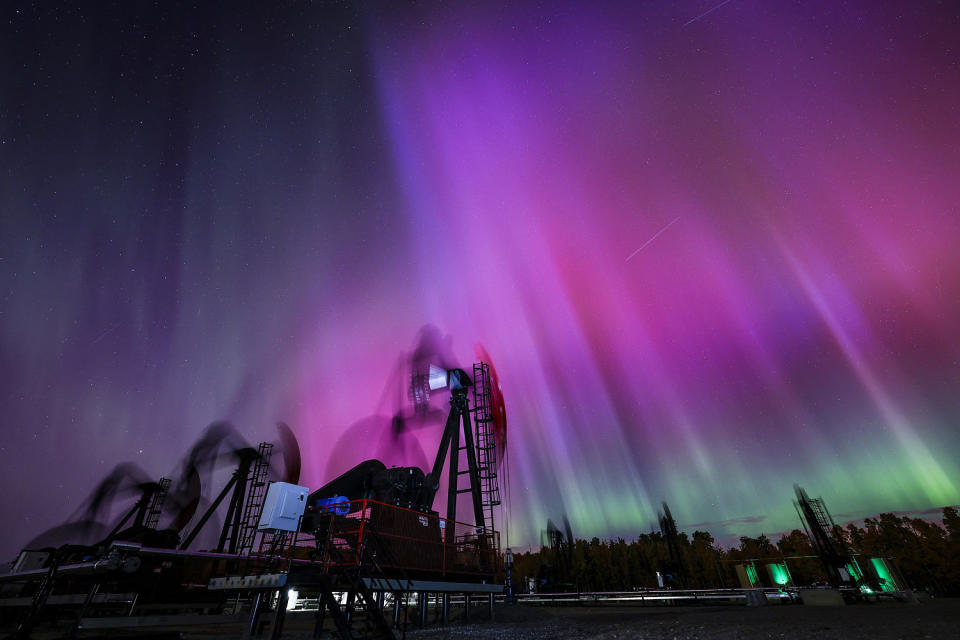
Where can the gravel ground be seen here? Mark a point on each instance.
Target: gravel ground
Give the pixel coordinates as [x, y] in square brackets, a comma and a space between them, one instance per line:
[931, 619]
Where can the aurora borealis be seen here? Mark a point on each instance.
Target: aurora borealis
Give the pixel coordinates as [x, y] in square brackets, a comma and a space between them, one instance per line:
[709, 257]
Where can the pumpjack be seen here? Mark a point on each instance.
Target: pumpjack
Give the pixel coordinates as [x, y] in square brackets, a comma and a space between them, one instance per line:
[673, 568]
[839, 563]
[410, 487]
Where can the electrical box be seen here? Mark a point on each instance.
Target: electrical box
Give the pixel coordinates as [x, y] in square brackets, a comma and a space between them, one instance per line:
[283, 507]
[30, 561]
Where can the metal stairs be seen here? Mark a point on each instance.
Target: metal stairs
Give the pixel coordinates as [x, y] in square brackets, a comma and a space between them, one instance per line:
[157, 499]
[256, 494]
[363, 615]
[485, 443]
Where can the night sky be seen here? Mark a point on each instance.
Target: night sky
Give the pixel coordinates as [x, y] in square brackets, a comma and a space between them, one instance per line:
[712, 248]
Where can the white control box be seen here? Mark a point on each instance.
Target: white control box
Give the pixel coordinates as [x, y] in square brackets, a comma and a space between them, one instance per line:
[283, 507]
[30, 561]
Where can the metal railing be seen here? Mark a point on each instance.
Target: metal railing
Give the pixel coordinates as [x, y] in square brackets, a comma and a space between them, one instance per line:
[408, 540]
[654, 597]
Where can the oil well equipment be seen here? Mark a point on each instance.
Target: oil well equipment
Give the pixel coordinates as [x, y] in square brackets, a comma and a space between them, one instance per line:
[366, 554]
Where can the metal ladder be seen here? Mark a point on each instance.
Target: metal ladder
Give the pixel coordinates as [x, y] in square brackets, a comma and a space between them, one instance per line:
[485, 442]
[821, 515]
[256, 494]
[157, 500]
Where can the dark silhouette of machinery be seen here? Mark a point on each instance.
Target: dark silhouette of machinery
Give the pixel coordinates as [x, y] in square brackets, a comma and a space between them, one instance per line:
[138, 524]
[672, 569]
[159, 547]
[838, 562]
[86, 530]
[246, 487]
[556, 575]
[412, 487]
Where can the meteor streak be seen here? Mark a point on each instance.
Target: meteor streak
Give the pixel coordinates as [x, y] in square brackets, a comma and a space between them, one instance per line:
[655, 236]
[705, 13]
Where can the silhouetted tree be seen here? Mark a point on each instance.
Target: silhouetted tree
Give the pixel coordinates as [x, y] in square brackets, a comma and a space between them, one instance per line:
[926, 554]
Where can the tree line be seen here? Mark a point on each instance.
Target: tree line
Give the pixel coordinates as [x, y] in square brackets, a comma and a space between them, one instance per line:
[926, 555]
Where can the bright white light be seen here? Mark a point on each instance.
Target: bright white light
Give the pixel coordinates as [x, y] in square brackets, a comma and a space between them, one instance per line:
[437, 378]
[292, 595]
